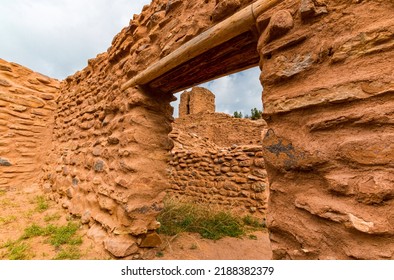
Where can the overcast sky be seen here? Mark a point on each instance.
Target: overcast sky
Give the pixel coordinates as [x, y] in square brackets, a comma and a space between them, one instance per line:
[57, 37]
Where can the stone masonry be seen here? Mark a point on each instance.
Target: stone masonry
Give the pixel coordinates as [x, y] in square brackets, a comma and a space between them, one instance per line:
[27, 105]
[197, 100]
[327, 72]
[232, 177]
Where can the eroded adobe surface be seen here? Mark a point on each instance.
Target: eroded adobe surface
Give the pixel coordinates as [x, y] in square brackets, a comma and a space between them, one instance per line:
[327, 71]
[197, 100]
[232, 176]
[222, 129]
[27, 103]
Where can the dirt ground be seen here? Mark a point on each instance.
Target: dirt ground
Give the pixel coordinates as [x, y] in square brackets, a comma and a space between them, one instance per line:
[20, 209]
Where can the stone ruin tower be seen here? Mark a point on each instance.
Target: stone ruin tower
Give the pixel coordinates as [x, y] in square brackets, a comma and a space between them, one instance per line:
[196, 101]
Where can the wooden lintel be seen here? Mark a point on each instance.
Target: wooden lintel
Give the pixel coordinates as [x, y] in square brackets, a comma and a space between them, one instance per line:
[224, 31]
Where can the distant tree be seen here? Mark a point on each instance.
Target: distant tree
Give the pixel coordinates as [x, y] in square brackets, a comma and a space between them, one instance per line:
[237, 115]
[256, 114]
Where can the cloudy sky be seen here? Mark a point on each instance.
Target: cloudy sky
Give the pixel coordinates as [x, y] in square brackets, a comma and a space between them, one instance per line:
[56, 38]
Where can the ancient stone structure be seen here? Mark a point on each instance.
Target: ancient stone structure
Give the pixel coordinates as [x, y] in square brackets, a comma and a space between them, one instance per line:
[27, 102]
[327, 71]
[197, 100]
[233, 177]
[110, 146]
[223, 129]
[328, 97]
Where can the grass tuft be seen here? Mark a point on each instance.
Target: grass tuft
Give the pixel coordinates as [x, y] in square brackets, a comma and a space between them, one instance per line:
[17, 250]
[53, 217]
[68, 253]
[179, 216]
[42, 203]
[7, 220]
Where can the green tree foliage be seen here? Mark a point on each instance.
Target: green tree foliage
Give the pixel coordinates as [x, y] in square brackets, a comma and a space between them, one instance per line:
[256, 114]
[237, 115]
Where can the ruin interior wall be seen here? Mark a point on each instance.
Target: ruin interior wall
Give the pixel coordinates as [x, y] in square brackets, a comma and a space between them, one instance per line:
[27, 104]
[223, 129]
[327, 71]
[233, 178]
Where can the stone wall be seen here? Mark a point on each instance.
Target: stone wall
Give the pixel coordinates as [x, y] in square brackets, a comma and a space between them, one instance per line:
[197, 100]
[26, 119]
[232, 177]
[327, 71]
[110, 147]
[223, 129]
[328, 98]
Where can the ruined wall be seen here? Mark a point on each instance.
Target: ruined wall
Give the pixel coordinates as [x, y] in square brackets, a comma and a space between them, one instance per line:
[110, 147]
[197, 100]
[232, 177]
[223, 129]
[26, 119]
[327, 71]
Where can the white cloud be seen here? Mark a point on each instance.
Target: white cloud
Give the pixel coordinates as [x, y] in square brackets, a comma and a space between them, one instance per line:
[57, 38]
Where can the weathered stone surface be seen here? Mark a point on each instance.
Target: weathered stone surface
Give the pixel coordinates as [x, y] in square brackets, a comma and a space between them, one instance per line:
[195, 101]
[204, 172]
[25, 135]
[5, 162]
[328, 153]
[225, 8]
[120, 247]
[151, 240]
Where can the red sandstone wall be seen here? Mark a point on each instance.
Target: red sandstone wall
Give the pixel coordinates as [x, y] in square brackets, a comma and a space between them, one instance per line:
[223, 129]
[27, 102]
[327, 71]
[233, 177]
[197, 100]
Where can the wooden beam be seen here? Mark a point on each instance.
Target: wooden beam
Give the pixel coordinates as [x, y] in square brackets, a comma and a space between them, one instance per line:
[235, 55]
[231, 27]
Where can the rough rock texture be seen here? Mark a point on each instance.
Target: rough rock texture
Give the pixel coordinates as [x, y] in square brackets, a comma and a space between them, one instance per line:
[26, 119]
[197, 100]
[232, 177]
[328, 98]
[223, 129]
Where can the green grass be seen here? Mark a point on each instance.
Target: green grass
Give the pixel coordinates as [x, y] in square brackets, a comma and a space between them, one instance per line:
[41, 203]
[17, 250]
[56, 236]
[68, 253]
[53, 217]
[179, 216]
[7, 220]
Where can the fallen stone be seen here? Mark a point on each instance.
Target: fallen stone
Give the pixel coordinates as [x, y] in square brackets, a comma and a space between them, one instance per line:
[151, 240]
[120, 247]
